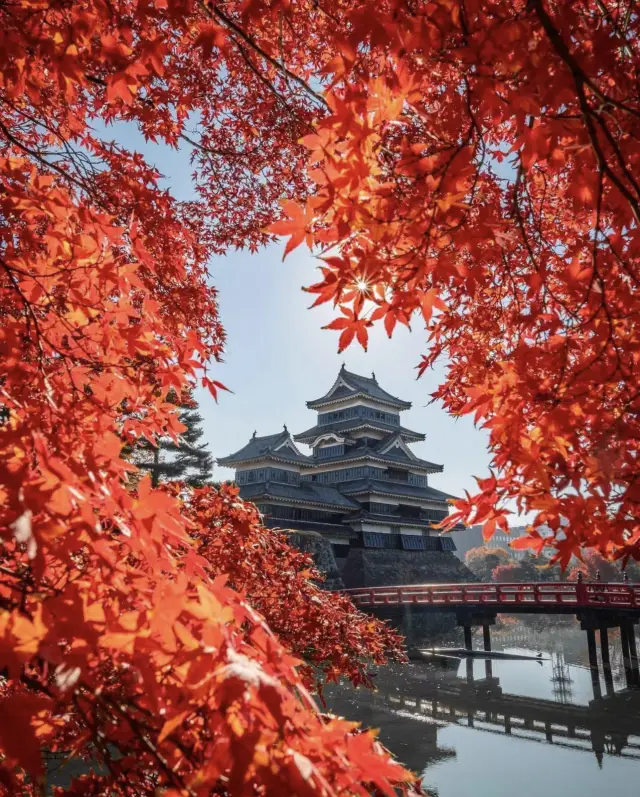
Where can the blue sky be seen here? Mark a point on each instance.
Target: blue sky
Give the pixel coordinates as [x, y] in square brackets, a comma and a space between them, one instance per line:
[278, 356]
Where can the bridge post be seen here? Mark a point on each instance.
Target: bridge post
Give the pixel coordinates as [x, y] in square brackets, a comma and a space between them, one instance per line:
[407, 624]
[606, 658]
[633, 653]
[469, 668]
[593, 663]
[591, 647]
[626, 653]
[468, 642]
[486, 634]
[486, 638]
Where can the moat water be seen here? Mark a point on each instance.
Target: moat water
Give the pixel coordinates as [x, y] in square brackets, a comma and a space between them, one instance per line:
[525, 728]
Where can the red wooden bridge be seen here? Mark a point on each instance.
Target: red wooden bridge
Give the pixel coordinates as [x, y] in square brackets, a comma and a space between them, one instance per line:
[556, 597]
[597, 605]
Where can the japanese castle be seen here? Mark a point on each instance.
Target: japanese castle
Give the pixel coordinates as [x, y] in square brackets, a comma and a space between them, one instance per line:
[362, 486]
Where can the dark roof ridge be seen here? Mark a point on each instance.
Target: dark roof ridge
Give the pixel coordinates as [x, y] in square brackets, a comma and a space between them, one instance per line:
[266, 446]
[365, 452]
[353, 374]
[357, 384]
[351, 424]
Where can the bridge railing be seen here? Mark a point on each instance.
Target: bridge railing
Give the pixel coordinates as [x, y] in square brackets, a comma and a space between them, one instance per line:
[580, 595]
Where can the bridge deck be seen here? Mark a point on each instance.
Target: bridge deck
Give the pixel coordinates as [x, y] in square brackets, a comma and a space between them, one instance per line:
[552, 597]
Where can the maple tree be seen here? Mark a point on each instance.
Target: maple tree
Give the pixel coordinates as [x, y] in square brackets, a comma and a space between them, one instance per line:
[594, 567]
[522, 571]
[507, 574]
[477, 166]
[132, 629]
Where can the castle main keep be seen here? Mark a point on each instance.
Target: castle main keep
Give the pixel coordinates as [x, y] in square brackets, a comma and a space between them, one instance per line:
[363, 489]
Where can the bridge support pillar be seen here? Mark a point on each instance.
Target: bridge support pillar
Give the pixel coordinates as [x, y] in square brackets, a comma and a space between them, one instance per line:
[473, 619]
[633, 653]
[593, 663]
[407, 623]
[606, 658]
[591, 647]
[486, 638]
[626, 653]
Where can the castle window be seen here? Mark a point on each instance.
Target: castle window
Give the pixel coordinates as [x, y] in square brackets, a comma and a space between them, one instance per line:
[329, 451]
[417, 481]
[383, 509]
[283, 476]
[373, 539]
[397, 475]
[411, 542]
[279, 512]
[434, 515]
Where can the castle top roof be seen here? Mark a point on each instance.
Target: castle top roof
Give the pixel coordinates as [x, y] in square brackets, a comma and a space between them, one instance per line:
[272, 446]
[349, 385]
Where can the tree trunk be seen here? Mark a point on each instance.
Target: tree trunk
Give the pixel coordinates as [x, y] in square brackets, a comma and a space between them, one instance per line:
[155, 476]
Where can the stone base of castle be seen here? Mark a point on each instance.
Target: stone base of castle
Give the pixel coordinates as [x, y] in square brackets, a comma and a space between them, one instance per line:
[322, 551]
[367, 567]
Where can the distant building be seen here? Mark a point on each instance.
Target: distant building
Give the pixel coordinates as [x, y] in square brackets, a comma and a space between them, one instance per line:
[361, 487]
[502, 540]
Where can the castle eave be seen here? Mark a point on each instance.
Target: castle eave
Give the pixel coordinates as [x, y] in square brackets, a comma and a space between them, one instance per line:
[397, 404]
[349, 386]
[417, 464]
[307, 494]
[230, 461]
[344, 427]
[394, 490]
[311, 525]
[393, 520]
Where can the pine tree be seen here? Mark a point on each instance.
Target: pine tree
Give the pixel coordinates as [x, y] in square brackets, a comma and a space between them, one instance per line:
[185, 460]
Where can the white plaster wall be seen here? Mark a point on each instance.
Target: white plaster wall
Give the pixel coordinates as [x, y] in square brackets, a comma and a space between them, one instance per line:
[373, 527]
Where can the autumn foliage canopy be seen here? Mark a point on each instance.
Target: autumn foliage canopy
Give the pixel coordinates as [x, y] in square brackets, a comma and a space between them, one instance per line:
[473, 164]
[478, 165]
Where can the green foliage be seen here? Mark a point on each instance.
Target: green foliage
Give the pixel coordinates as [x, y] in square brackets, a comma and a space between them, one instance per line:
[185, 460]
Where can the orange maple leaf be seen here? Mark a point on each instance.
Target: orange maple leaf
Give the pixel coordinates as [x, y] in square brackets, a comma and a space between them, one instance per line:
[296, 226]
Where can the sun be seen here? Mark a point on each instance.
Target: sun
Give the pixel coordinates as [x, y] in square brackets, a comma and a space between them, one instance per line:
[362, 285]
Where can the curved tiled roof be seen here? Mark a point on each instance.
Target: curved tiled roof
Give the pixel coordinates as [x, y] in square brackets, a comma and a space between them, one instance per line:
[343, 427]
[306, 492]
[335, 529]
[360, 386]
[392, 520]
[267, 446]
[399, 489]
[393, 456]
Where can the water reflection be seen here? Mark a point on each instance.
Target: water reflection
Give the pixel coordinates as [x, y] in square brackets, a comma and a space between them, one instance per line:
[465, 725]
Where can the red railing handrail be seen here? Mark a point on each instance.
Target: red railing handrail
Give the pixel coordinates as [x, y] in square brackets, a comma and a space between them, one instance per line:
[579, 594]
